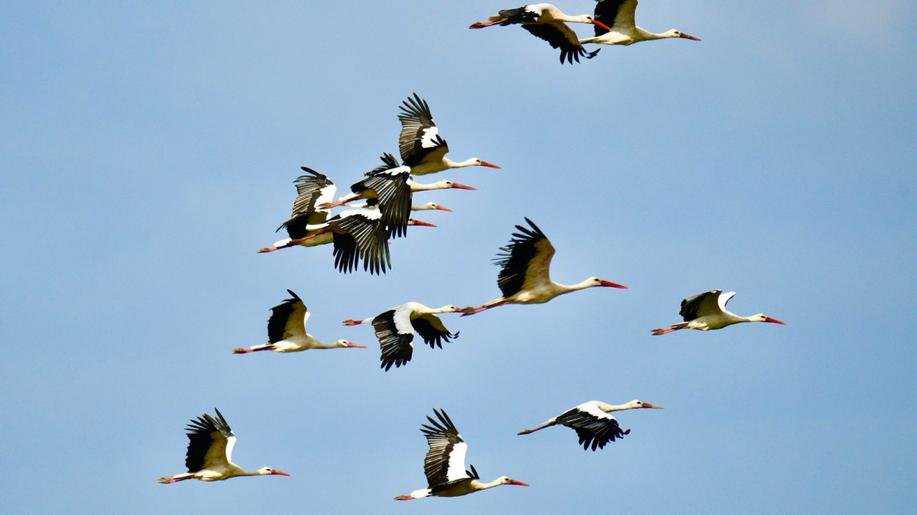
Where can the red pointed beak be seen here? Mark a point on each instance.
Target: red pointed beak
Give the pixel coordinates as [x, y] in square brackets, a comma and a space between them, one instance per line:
[600, 24]
[443, 208]
[351, 345]
[773, 321]
[689, 36]
[651, 406]
[423, 224]
[462, 186]
[612, 285]
[279, 473]
[489, 165]
[517, 483]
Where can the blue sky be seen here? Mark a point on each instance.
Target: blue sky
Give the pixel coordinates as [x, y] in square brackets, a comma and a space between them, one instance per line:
[149, 150]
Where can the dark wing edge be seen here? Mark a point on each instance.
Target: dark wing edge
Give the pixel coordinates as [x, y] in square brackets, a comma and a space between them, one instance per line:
[592, 431]
[200, 437]
[277, 323]
[514, 257]
[396, 349]
[569, 51]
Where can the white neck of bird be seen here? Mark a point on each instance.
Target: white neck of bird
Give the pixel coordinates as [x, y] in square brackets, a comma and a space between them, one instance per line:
[484, 486]
[647, 35]
[607, 408]
[582, 18]
[438, 185]
[567, 288]
[460, 164]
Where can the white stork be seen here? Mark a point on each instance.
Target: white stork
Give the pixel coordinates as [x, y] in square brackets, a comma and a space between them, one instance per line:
[356, 234]
[444, 464]
[390, 165]
[525, 272]
[547, 22]
[209, 457]
[286, 330]
[592, 422]
[429, 206]
[395, 330]
[388, 186]
[422, 148]
[619, 14]
[707, 311]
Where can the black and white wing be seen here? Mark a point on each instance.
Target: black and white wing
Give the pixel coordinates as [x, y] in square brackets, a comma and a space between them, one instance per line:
[210, 443]
[594, 427]
[395, 333]
[525, 261]
[615, 14]
[559, 35]
[313, 189]
[288, 319]
[703, 304]
[359, 234]
[445, 460]
[432, 330]
[518, 15]
[419, 140]
[388, 162]
[392, 190]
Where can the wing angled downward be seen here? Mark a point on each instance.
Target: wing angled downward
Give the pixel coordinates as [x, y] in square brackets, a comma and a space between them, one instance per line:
[525, 261]
[432, 330]
[593, 426]
[445, 459]
[288, 319]
[210, 443]
[395, 334]
[559, 35]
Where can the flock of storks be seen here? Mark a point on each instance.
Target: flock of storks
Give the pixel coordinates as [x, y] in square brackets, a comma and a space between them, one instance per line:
[361, 234]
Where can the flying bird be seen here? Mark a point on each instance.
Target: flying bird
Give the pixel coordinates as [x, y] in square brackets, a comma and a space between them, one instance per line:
[547, 22]
[592, 422]
[619, 14]
[356, 234]
[209, 457]
[444, 464]
[388, 186]
[422, 147]
[525, 272]
[395, 330]
[707, 311]
[286, 330]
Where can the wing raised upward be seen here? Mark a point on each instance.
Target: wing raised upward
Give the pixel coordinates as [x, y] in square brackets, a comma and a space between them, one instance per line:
[210, 442]
[419, 140]
[287, 319]
[704, 304]
[445, 459]
[617, 14]
[312, 190]
[524, 262]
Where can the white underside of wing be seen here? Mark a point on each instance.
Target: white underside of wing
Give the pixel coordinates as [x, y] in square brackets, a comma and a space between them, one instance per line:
[724, 298]
[592, 408]
[428, 139]
[456, 468]
[403, 321]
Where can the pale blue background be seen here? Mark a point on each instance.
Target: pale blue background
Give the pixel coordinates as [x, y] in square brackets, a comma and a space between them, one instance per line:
[148, 150]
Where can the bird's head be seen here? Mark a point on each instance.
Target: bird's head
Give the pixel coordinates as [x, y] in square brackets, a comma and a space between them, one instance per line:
[347, 344]
[432, 206]
[506, 480]
[449, 308]
[480, 162]
[597, 281]
[268, 471]
[455, 186]
[420, 223]
[675, 33]
[637, 404]
[761, 317]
